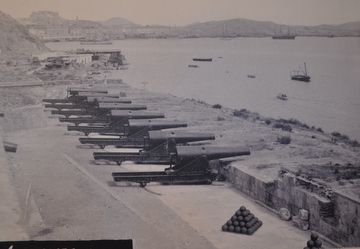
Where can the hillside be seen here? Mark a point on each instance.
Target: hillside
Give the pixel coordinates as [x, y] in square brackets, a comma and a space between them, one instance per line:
[15, 38]
[118, 21]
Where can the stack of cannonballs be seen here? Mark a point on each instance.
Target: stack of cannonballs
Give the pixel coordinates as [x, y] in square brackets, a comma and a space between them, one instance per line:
[313, 242]
[243, 221]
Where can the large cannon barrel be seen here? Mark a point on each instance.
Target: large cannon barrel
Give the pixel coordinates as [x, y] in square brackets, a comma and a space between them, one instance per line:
[120, 114]
[100, 99]
[121, 106]
[211, 152]
[64, 106]
[54, 101]
[95, 94]
[154, 124]
[157, 137]
[84, 120]
[76, 90]
[69, 112]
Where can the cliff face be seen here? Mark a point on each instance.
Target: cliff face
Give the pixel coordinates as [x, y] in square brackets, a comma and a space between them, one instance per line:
[15, 38]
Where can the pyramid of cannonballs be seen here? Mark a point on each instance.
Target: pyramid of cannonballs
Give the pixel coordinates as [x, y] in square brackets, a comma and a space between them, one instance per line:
[243, 221]
[313, 242]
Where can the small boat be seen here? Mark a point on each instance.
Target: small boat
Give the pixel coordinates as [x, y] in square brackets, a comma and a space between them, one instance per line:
[300, 75]
[202, 59]
[282, 96]
[251, 76]
[193, 66]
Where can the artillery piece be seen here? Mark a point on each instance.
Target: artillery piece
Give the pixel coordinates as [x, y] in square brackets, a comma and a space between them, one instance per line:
[116, 125]
[159, 147]
[101, 109]
[90, 102]
[192, 166]
[77, 95]
[134, 133]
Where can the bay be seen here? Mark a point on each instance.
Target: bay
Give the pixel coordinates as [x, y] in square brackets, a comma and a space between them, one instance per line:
[329, 101]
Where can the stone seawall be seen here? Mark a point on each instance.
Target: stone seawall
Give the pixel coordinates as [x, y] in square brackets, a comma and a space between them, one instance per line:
[332, 214]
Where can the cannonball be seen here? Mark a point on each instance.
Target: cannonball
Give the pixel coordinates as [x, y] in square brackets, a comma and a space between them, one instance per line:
[244, 230]
[310, 243]
[318, 243]
[242, 224]
[236, 223]
[240, 218]
[224, 227]
[229, 222]
[234, 218]
[314, 236]
[237, 213]
[237, 229]
[242, 208]
[231, 228]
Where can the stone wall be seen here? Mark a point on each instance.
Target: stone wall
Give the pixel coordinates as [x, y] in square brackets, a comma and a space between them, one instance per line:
[334, 215]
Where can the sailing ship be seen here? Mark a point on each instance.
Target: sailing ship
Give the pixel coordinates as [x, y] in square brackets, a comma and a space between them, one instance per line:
[300, 75]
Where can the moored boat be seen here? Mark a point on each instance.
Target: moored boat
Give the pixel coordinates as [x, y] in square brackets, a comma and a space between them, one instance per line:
[202, 59]
[300, 75]
[282, 96]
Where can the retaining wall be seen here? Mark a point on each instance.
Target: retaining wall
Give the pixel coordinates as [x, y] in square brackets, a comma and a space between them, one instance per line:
[332, 214]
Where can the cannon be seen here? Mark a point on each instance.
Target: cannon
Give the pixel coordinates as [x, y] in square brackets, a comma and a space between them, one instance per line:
[82, 96]
[118, 125]
[191, 166]
[90, 102]
[102, 109]
[134, 134]
[159, 147]
[77, 90]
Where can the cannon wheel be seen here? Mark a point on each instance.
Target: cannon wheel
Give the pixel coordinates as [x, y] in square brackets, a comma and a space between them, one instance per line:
[86, 133]
[102, 146]
[118, 162]
[142, 184]
[76, 124]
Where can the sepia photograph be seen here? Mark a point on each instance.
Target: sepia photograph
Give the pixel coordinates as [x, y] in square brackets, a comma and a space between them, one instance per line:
[158, 124]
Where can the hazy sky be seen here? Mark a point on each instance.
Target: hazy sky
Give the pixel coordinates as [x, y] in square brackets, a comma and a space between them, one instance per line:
[183, 12]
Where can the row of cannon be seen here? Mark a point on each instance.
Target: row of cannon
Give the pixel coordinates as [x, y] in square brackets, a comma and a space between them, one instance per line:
[127, 125]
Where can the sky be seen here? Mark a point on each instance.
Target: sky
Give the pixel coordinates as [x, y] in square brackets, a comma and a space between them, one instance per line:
[183, 12]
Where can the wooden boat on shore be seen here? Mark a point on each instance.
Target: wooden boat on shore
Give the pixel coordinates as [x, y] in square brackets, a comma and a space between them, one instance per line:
[282, 96]
[193, 66]
[202, 59]
[300, 75]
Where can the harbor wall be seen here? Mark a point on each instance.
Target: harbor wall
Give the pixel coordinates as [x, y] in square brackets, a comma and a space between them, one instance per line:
[332, 214]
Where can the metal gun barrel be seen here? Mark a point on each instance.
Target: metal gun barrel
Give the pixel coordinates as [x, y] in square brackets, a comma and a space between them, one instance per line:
[156, 137]
[121, 106]
[107, 100]
[76, 90]
[120, 114]
[155, 124]
[211, 152]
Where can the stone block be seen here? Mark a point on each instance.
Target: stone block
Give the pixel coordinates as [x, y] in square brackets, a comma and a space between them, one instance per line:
[303, 214]
[302, 224]
[284, 214]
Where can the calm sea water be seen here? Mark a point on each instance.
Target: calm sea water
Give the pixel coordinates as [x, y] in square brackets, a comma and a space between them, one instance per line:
[330, 101]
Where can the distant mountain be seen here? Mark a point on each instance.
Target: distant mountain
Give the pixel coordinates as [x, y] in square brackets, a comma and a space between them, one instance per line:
[15, 37]
[246, 27]
[118, 21]
[231, 27]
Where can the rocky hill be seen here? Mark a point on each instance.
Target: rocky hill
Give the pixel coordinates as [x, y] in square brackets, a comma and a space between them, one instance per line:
[246, 27]
[118, 21]
[16, 39]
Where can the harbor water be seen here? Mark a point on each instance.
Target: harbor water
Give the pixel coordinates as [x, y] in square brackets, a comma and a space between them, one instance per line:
[330, 101]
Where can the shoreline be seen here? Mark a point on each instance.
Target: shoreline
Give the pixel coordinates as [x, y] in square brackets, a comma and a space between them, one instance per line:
[307, 151]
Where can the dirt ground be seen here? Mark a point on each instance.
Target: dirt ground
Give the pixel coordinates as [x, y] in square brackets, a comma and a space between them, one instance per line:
[331, 160]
